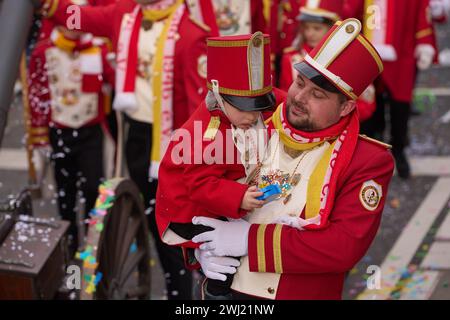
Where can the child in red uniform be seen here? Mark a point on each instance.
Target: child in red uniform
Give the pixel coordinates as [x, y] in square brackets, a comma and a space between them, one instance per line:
[316, 19]
[225, 138]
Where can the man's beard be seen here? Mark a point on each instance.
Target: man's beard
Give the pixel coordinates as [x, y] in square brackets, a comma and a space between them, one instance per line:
[302, 124]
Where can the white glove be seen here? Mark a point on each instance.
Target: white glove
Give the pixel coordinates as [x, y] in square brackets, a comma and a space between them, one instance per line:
[125, 102]
[424, 54]
[439, 8]
[294, 222]
[444, 57]
[215, 267]
[229, 238]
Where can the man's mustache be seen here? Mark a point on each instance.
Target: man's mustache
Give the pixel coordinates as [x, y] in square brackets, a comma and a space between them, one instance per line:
[298, 106]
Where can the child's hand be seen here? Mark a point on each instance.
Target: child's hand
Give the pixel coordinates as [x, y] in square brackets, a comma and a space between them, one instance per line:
[249, 202]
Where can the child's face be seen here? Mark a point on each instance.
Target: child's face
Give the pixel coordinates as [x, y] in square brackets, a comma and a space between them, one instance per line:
[313, 32]
[241, 119]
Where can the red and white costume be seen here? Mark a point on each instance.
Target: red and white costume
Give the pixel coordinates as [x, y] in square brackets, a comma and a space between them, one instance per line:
[67, 84]
[146, 67]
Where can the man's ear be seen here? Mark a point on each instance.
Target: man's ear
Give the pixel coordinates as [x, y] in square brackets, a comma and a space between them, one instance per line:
[347, 107]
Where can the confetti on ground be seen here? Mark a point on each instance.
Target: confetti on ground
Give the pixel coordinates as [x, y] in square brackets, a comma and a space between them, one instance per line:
[424, 99]
[354, 271]
[420, 285]
[438, 256]
[395, 203]
[99, 227]
[105, 200]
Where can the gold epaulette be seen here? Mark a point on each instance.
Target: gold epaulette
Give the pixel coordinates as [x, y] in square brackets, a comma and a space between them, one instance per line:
[289, 50]
[212, 129]
[37, 131]
[374, 141]
[200, 24]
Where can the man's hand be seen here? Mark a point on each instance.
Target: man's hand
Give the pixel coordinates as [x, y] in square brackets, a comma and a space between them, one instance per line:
[229, 238]
[216, 267]
[424, 55]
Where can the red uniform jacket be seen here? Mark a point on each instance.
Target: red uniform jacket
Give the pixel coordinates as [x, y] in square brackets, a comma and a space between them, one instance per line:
[366, 103]
[255, 15]
[259, 23]
[314, 263]
[283, 23]
[191, 186]
[40, 97]
[47, 25]
[412, 26]
[290, 57]
[189, 84]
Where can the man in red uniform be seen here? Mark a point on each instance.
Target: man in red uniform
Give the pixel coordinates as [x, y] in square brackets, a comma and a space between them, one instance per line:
[334, 183]
[160, 80]
[402, 31]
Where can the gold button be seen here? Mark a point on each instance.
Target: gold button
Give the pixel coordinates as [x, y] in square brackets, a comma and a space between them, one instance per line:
[271, 290]
[350, 28]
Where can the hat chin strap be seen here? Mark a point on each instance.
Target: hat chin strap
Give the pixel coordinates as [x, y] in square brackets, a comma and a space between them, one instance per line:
[215, 90]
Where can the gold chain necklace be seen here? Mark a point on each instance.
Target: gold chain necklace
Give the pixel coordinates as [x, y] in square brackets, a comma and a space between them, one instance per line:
[285, 181]
[253, 177]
